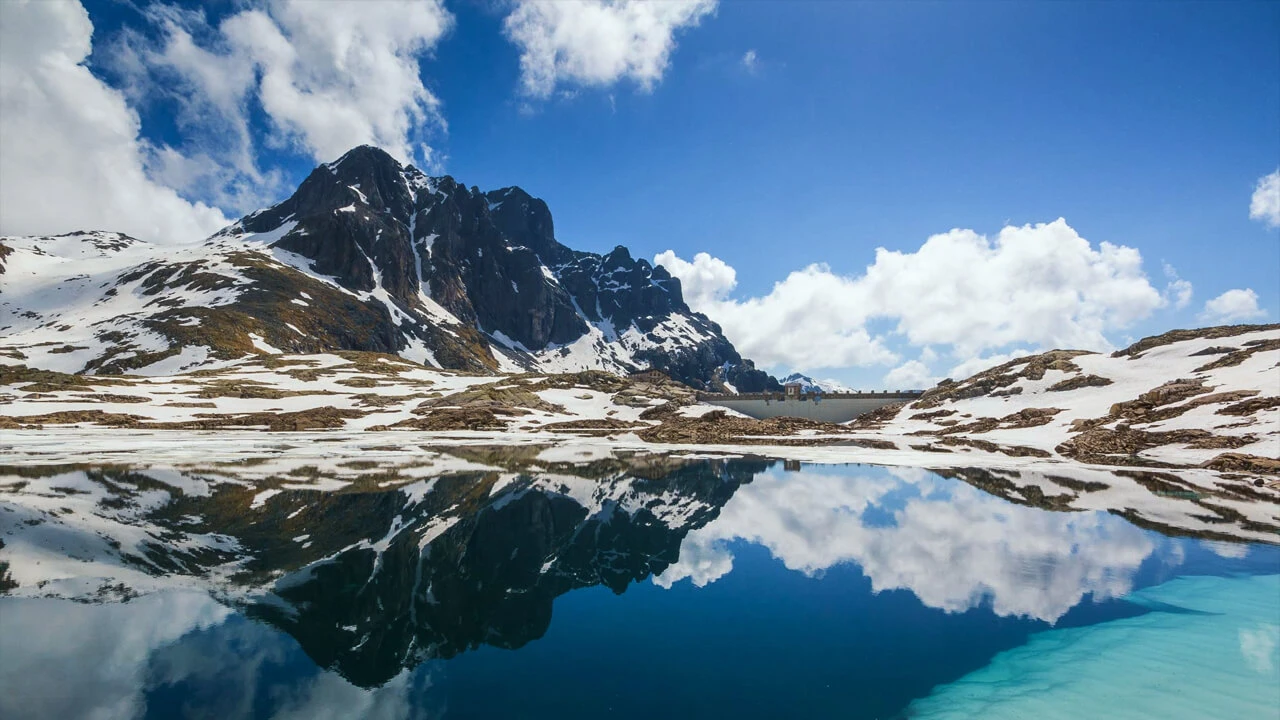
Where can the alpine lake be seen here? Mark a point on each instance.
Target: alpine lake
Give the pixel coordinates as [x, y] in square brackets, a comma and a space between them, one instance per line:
[492, 582]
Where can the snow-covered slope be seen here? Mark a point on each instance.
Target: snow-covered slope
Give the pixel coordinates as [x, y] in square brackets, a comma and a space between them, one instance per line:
[444, 543]
[1184, 398]
[351, 391]
[367, 255]
[102, 303]
[76, 302]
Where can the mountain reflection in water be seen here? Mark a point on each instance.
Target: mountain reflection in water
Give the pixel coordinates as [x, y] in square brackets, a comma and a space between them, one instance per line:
[388, 578]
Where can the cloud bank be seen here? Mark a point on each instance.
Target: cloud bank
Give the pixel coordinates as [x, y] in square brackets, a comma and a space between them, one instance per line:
[70, 153]
[327, 76]
[1035, 286]
[307, 78]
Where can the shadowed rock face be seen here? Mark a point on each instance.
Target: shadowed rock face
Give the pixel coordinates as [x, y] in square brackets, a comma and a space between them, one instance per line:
[492, 577]
[388, 571]
[492, 260]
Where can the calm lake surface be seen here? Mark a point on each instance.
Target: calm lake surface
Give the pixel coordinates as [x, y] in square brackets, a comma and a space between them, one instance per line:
[663, 588]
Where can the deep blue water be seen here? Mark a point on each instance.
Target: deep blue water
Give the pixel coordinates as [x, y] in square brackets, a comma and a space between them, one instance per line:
[848, 592]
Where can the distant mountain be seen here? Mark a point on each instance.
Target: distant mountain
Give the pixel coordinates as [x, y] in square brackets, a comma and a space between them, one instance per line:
[367, 254]
[808, 384]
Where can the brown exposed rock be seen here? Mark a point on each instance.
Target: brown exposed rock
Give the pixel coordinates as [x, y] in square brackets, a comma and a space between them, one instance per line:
[472, 418]
[321, 418]
[503, 396]
[1120, 446]
[50, 381]
[603, 426]
[870, 443]
[659, 412]
[1237, 357]
[716, 427]
[1242, 462]
[112, 398]
[878, 417]
[1249, 407]
[933, 415]
[1079, 381]
[988, 382]
[71, 417]
[1030, 417]
[1173, 336]
[930, 448]
[987, 446]
[1222, 442]
[248, 389]
[1026, 418]
[1215, 350]
[1150, 405]
[980, 425]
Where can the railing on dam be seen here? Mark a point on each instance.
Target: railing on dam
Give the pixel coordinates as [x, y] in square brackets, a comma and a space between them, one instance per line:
[780, 397]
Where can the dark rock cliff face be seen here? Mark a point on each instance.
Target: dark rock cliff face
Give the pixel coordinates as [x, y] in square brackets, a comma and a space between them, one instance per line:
[491, 261]
[491, 578]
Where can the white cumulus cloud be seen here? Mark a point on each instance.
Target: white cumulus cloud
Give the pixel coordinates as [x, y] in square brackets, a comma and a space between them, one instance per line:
[70, 153]
[597, 42]
[750, 61]
[1035, 285]
[706, 280]
[1233, 306]
[1264, 206]
[328, 75]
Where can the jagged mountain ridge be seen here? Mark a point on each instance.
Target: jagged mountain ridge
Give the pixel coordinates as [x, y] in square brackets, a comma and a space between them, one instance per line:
[367, 254]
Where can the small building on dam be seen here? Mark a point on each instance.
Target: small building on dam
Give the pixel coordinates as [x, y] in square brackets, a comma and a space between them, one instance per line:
[794, 402]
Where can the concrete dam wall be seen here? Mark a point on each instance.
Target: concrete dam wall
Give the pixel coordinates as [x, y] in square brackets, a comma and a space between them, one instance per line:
[834, 407]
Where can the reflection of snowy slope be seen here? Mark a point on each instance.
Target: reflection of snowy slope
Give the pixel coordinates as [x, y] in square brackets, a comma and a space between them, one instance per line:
[955, 547]
[375, 568]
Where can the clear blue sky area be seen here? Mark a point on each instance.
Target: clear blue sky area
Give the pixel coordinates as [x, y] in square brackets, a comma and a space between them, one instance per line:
[867, 124]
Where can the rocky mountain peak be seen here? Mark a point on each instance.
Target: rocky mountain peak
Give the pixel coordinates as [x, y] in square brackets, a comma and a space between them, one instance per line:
[491, 261]
[434, 270]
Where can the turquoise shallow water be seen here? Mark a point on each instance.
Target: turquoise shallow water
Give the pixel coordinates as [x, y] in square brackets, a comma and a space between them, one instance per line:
[730, 589]
[1209, 648]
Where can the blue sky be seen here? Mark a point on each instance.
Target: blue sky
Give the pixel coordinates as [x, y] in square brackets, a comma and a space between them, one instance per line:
[856, 126]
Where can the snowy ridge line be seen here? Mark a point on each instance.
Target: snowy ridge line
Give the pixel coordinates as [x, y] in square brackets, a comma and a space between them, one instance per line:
[367, 255]
[1202, 402]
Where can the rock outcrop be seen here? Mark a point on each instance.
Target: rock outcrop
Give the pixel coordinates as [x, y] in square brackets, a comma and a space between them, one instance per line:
[367, 255]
